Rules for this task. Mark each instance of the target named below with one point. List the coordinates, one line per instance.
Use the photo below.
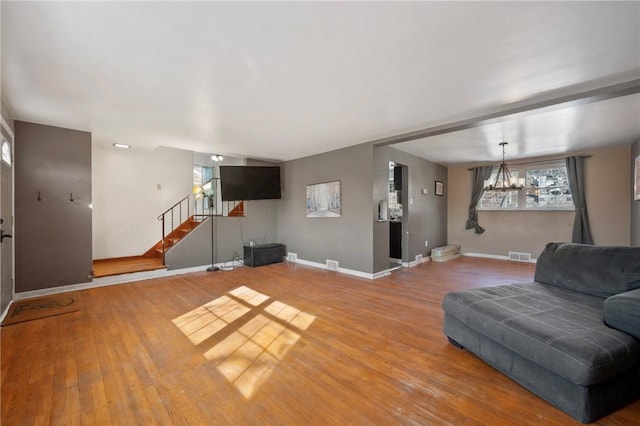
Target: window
(6, 152)
(547, 188)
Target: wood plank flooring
(278, 344)
(125, 265)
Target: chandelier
(504, 181)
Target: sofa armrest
(622, 312)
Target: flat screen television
(249, 183)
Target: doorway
(398, 214)
(6, 217)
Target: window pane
(495, 200)
(548, 188)
(6, 152)
(550, 197)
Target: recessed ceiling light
(122, 145)
(217, 157)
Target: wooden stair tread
(125, 265)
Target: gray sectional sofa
(571, 337)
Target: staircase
(177, 222)
(162, 246)
(185, 215)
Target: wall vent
(519, 257)
(418, 259)
(332, 265)
(292, 257)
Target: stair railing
(211, 204)
(183, 209)
(199, 206)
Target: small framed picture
(439, 188)
(636, 181)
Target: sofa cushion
(595, 270)
(622, 312)
(558, 329)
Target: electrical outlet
(426, 243)
(292, 257)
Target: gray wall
(347, 239)
(635, 205)
(193, 250)
(259, 225)
(427, 213)
(52, 236)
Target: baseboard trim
(341, 270)
(416, 262)
(112, 280)
(6, 311)
(160, 273)
(493, 256)
(381, 274)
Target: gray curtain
(480, 174)
(575, 172)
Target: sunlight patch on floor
(206, 320)
(248, 355)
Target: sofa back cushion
(595, 270)
(622, 312)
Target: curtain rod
(549, 160)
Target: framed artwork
(323, 199)
(636, 181)
(439, 188)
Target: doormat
(42, 307)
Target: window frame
(521, 171)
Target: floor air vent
(519, 257)
(332, 265)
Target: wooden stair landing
(125, 265)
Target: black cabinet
(263, 254)
(395, 240)
(397, 178)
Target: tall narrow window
(6, 152)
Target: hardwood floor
(278, 344)
(125, 265)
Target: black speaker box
(263, 254)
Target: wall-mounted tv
(249, 183)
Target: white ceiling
(284, 80)
(537, 133)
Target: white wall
(126, 199)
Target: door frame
(5, 126)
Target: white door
(6, 220)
